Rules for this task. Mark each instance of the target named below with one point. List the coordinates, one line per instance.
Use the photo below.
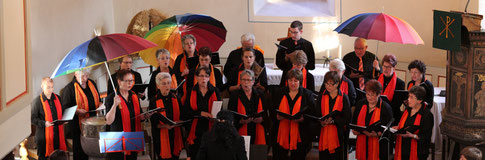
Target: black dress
(251, 106)
(37, 118)
(234, 60)
(138, 80)
(307, 103)
(155, 119)
(202, 106)
(425, 131)
(117, 125)
(386, 116)
(301, 44)
(68, 95)
(396, 101)
(341, 121)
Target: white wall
(57, 26)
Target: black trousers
(339, 154)
(194, 149)
(279, 153)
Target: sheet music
(216, 107)
(247, 144)
(101, 107)
(68, 113)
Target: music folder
(355, 70)
(331, 114)
(139, 88)
(373, 127)
(253, 115)
(168, 121)
(67, 115)
(411, 128)
(288, 116)
(215, 58)
(149, 111)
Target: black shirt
(352, 60)
(396, 101)
(425, 131)
(302, 44)
(202, 106)
(117, 124)
(235, 59)
(37, 118)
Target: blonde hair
(45, 80)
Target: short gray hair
(299, 58)
(187, 36)
(337, 64)
(83, 71)
(247, 72)
(247, 37)
(161, 76)
(162, 52)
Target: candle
(340, 51)
(328, 53)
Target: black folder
(331, 114)
(254, 115)
(288, 116)
(149, 111)
(355, 70)
(373, 127)
(215, 58)
(139, 88)
(412, 129)
(168, 121)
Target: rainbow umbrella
(207, 31)
(380, 26)
(98, 50)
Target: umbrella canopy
(98, 50)
(206, 30)
(380, 26)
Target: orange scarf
(304, 72)
(414, 143)
(193, 105)
(362, 144)
(344, 86)
(329, 134)
(82, 99)
(49, 131)
(165, 151)
(389, 91)
(288, 131)
(243, 131)
(412, 84)
(125, 114)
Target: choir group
(359, 96)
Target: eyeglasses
(246, 80)
(127, 62)
(204, 76)
(330, 84)
(296, 32)
(128, 81)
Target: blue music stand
(110, 142)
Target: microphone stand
(385, 138)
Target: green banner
(446, 30)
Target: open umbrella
(380, 26)
(98, 50)
(207, 31)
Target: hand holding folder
(373, 127)
(323, 118)
(243, 116)
(289, 116)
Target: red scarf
(389, 91)
(373, 143)
(243, 131)
(414, 143)
(125, 114)
(49, 131)
(165, 151)
(193, 106)
(288, 131)
(82, 99)
(329, 134)
(344, 86)
(304, 72)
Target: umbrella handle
(109, 75)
